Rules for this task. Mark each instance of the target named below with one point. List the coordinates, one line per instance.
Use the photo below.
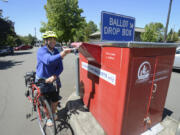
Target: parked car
(5, 50)
(177, 59)
(23, 47)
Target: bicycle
(40, 104)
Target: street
(173, 100)
(14, 105)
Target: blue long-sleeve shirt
(48, 63)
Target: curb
(81, 120)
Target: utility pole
(35, 36)
(167, 23)
(35, 31)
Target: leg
(54, 106)
(55, 99)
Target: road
(173, 97)
(14, 105)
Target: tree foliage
(179, 32)
(85, 31)
(90, 28)
(153, 32)
(27, 39)
(7, 33)
(64, 17)
(172, 36)
(81, 34)
(44, 27)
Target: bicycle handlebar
(74, 50)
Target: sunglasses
(51, 38)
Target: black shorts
(50, 92)
(53, 96)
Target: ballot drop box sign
(116, 27)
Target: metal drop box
(125, 84)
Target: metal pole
(35, 36)
(77, 75)
(167, 23)
(178, 128)
(35, 31)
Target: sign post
(116, 27)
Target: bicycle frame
(35, 100)
(41, 104)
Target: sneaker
(49, 123)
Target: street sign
(116, 27)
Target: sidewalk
(83, 123)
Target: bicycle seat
(41, 81)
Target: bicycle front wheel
(44, 113)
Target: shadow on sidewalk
(176, 70)
(72, 107)
(22, 53)
(9, 64)
(166, 112)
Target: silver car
(177, 59)
(5, 50)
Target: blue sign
(116, 27)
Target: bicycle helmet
(44, 36)
(50, 34)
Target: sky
(28, 14)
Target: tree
(1, 13)
(64, 17)
(18, 41)
(85, 31)
(10, 40)
(179, 32)
(7, 33)
(153, 32)
(81, 34)
(44, 27)
(31, 39)
(172, 36)
(28, 39)
(90, 28)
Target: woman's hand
(65, 52)
(51, 79)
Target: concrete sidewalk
(83, 123)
